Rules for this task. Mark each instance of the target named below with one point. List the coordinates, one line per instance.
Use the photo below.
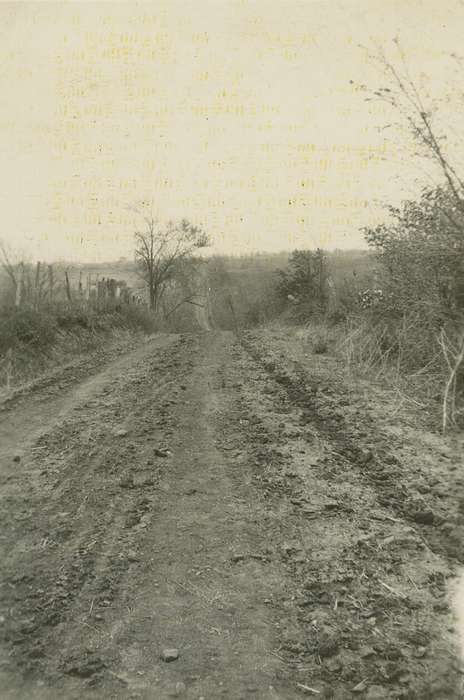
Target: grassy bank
(403, 358)
(393, 314)
(35, 341)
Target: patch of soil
(207, 516)
(370, 553)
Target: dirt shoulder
(33, 408)
(62, 369)
(384, 501)
(194, 495)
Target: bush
(304, 283)
(26, 327)
(37, 330)
(136, 318)
(75, 318)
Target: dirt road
(203, 493)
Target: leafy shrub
(73, 318)
(136, 318)
(304, 283)
(37, 330)
(26, 327)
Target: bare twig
(392, 590)
(308, 689)
(454, 356)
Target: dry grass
(32, 342)
(420, 368)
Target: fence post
(19, 285)
(50, 282)
(68, 286)
(37, 286)
(232, 308)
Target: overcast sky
(239, 115)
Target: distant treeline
(253, 285)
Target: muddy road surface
(202, 518)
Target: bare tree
(161, 249)
(14, 271)
(8, 266)
(403, 94)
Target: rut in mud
(197, 495)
